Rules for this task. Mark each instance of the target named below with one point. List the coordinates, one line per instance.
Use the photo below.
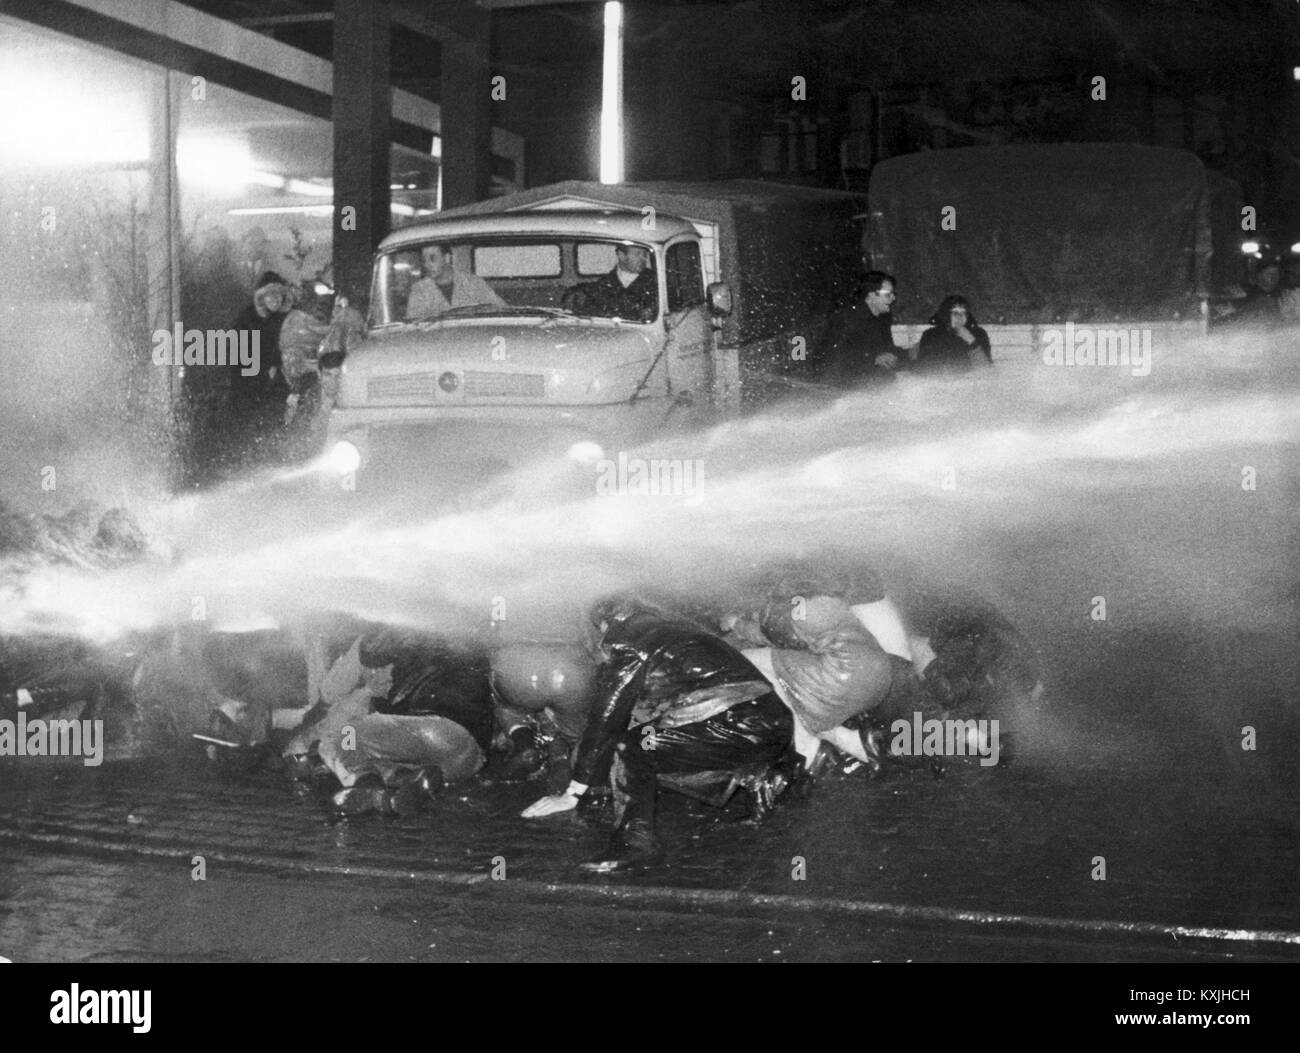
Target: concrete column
(362, 112)
(150, 271)
(466, 101)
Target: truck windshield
(467, 278)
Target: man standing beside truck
(256, 399)
(858, 346)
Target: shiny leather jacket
(664, 673)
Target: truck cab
(495, 340)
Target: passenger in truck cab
(444, 287)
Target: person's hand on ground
(555, 803)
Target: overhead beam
(284, 20)
(438, 21)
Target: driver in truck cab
(444, 287)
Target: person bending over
(399, 714)
(679, 709)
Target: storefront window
(84, 275)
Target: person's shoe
(413, 793)
(595, 805)
(764, 795)
(873, 743)
(632, 848)
(823, 761)
(368, 794)
(322, 780)
(298, 767)
(763, 790)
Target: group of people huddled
(275, 413)
(858, 344)
(715, 701)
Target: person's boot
(298, 767)
(410, 794)
(368, 794)
(323, 779)
(596, 805)
(873, 745)
(631, 848)
(764, 791)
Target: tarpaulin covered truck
(1038, 235)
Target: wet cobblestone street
(99, 864)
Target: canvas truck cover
(1045, 233)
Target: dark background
(708, 84)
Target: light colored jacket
(428, 301)
(842, 672)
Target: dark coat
(637, 301)
(852, 345)
(663, 673)
(432, 678)
(266, 389)
(942, 351)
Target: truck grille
(423, 387)
(505, 385)
(402, 386)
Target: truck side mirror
(719, 298)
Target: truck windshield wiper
(492, 310)
(480, 310)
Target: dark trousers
(707, 759)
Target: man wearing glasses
(859, 343)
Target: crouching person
(543, 696)
(399, 715)
(678, 709)
(827, 669)
(858, 679)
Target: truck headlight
(343, 458)
(586, 452)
